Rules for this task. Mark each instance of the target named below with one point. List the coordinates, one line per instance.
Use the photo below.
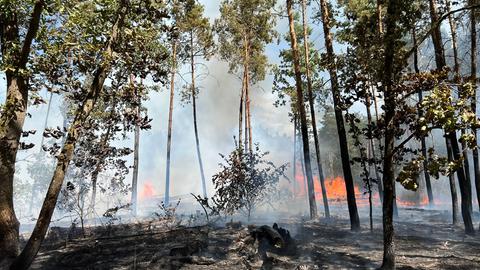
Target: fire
(337, 194)
(336, 191)
(335, 187)
(147, 191)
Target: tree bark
(453, 187)
(136, 150)
(194, 109)
(379, 18)
(390, 111)
(13, 118)
(465, 184)
(436, 36)
(473, 78)
(368, 103)
(311, 102)
(342, 135)
(294, 156)
(426, 175)
(170, 120)
(248, 123)
(240, 110)
(457, 79)
(423, 143)
(301, 108)
(24, 260)
(465, 187)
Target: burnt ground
(424, 240)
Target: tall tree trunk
(13, 117)
(370, 201)
(457, 79)
(240, 110)
(194, 109)
(368, 103)
(170, 120)
(473, 78)
(248, 123)
(294, 156)
(379, 18)
(465, 187)
(453, 187)
(342, 135)
(390, 111)
(136, 149)
(465, 184)
(24, 260)
(451, 177)
(437, 36)
(423, 143)
(311, 102)
(303, 116)
(302, 163)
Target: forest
(239, 134)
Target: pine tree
(244, 28)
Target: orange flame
(336, 192)
(147, 191)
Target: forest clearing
(239, 134)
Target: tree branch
(31, 33)
(434, 26)
(402, 144)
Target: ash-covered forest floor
(425, 239)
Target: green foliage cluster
(244, 182)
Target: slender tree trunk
(437, 37)
(194, 109)
(379, 18)
(377, 118)
(302, 163)
(312, 110)
(246, 120)
(453, 31)
(451, 177)
(303, 117)
(347, 170)
(248, 117)
(170, 120)
(368, 103)
(13, 117)
(240, 110)
(473, 78)
(465, 187)
(465, 184)
(294, 156)
(369, 187)
(248, 123)
(136, 149)
(423, 143)
(24, 260)
(390, 111)
(453, 188)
